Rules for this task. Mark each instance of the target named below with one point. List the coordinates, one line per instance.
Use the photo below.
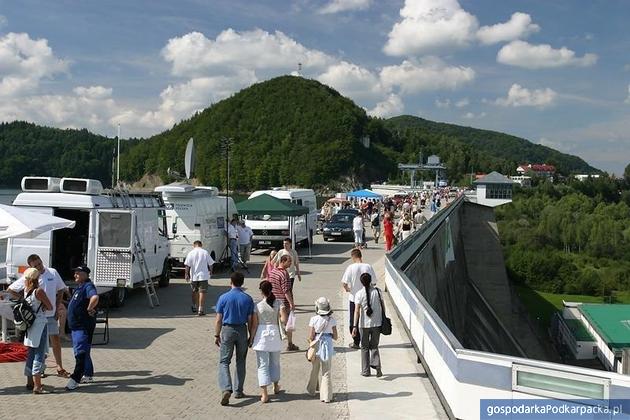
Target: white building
(523, 180)
(493, 190)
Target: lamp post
(226, 144)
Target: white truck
(103, 238)
(195, 214)
(270, 231)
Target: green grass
(542, 305)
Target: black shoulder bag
(386, 325)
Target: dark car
(349, 210)
(339, 227)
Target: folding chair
(102, 317)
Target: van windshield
(267, 218)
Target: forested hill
(480, 146)
(30, 149)
(287, 130)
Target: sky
(554, 72)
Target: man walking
(245, 234)
(294, 268)
(375, 221)
(232, 234)
(198, 266)
(235, 319)
(82, 321)
(281, 289)
(351, 282)
(50, 281)
(357, 227)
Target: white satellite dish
(189, 160)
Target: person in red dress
(388, 232)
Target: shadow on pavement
(134, 338)
(394, 376)
(367, 396)
(132, 384)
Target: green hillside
(285, 131)
(30, 149)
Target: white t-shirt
(244, 235)
(352, 275)
(376, 319)
(198, 260)
(318, 321)
(292, 270)
(357, 223)
(50, 281)
(232, 232)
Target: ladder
(119, 194)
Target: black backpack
(23, 313)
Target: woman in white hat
(322, 331)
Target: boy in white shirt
(352, 284)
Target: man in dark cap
(82, 321)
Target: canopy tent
(364, 194)
(267, 204)
(16, 222)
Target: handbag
(311, 349)
(386, 325)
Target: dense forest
(284, 131)
(571, 238)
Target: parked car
(351, 211)
(339, 227)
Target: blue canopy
(364, 194)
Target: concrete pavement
(161, 363)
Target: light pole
(226, 144)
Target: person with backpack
(36, 339)
(368, 315)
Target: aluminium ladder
(137, 248)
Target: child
(323, 329)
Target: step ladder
(121, 198)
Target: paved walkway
(161, 363)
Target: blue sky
(555, 72)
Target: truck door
(114, 245)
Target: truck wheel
(165, 277)
(118, 296)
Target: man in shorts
(198, 265)
(50, 281)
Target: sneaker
(87, 380)
(292, 347)
(193, 308)
(379, 372)
(72, 385)
(239, 395)
(354, 346)
(225, 397)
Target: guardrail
(463, 377)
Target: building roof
(537, 167)
(494, 178)
(578, 329)
(611, 321)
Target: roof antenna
(299, 69)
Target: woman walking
(269, 265)
(388, 231)
(323, 329)
(405, 226)
(267, 341)
(36, 338)
(368, 314)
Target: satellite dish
(189, 160)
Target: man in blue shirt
(82, 321)
(235, 316)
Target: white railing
(464, 377)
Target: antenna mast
(118, 157)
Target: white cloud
(462, 103)
(519, 26)
(194, 55)
(429, 74)
(24, 62)
(429, 25)
(336, 6)
(523, 54)
(182, 100)
(353, 81)
(93, 92)
(390, 107)
(445, 104)
(627, 101)
(473, 116)
(520, 96)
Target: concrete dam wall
(457, 265)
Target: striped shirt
(280, 285)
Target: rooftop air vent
(40, 184)
(81, 186)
